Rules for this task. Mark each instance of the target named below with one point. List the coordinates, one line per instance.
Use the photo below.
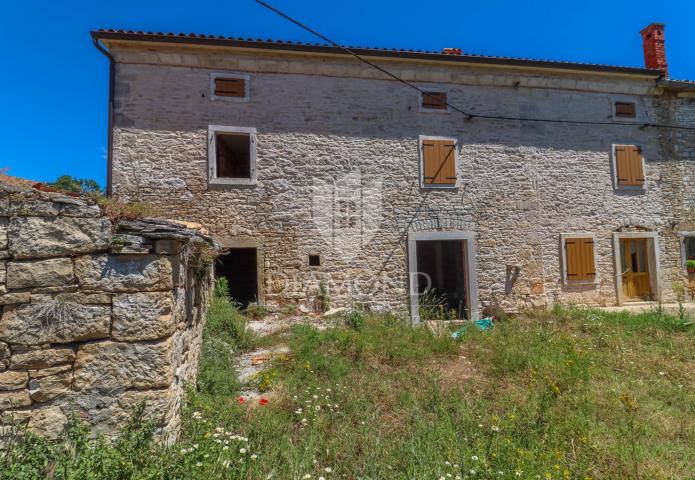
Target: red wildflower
(263, 401)
(242, 400)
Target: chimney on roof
(654, 49)
(451, 51)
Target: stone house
(559, 182)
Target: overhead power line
(468, 115)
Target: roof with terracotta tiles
(453, 55)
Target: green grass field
(562, 394)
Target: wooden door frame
(654, 263)
(469, 265)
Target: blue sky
(53, 83)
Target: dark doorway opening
(239, 267)
(441, 266)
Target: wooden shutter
(625, 109)
(439, 162)
(579, 259)
(434, 100)
(628, 165)
(230, 87)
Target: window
(628, 166)
(625, 110)
(433, 101)
(438, 162)
(687, 246)
(579, 259)
(314, 261)
(230, 87)
(232, 155)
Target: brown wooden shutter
(430, 158)
(439, 162)
(230, 87)
(579, 259)
(434, 100)
(628, 165)
(625, 109)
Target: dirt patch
(457, 373)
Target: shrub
(133, 453)
(323, 299)
(117, 210)
(355, 318)
(432, 306)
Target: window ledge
(631, 188)
(580, 283)
(439, 187)
(434, 110)
(233, 182)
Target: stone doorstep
(639, 307)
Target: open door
(441, 267)
(445, 263)
(634, 262)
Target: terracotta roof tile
(193, 38)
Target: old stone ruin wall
(96, 318)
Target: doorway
(240, 267)
(634, 266)
(441, 270)
(444, 263)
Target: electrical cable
(468, 115)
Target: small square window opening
(625, 110)
(434, 101)
(233, 152)
(231, 155)
(230, 87)
(314, 260)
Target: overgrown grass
(562, 394)
(224, 337)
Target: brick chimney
(654, 49)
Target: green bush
(355, 318)
(225, 334)
(132, 454)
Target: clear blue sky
(53, 82)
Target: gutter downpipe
(112, 72)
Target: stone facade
(329, 121)
(95, 322)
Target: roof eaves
(678, 85)
(270, 44)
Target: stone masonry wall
(332, 121)
(95, 319)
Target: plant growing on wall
(56, 312)
(323, 299)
